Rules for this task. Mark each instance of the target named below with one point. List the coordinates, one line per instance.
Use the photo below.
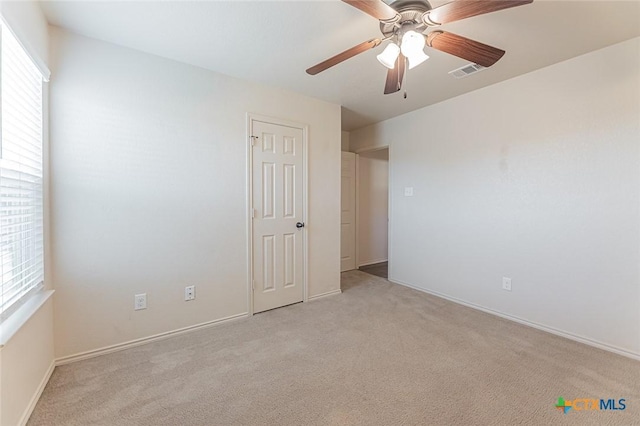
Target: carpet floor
(378, 354)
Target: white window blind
(21, 186)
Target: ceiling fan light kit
(412, 48)
(417, 58)
(389, 55)
(412, 42)
(407, 21)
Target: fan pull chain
(406, 76)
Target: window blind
(21, 177)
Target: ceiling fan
(404, 22)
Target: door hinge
(253, 213)
(253, 140)
(253, 285)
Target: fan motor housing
(410, 11)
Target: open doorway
(372, 210)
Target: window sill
(11, 325)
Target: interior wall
(30, 26)
(26, 358)
(373, 206)
(345, 141)
(536, 178)
(149, 181)
(26, 364)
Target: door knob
(300, 225)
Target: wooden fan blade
(340, 57)
(395, 76)
(462, 9)
(464, 48)
(375, 8)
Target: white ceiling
(273, 42)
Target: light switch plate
(408, 191)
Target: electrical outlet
(189, 292)
(140, 301)
(506, 283)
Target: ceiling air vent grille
(466, 70)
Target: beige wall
(149, 179)
(373, 206)
(536, 178)
(30, 25)
(345, 141)
(26, 362)
(26, 359)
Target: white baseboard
(144, 340)
(372, 262)
(36, 396)
(561, 333)
(320, 296)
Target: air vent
(466, 70)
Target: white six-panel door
(348, 213)
(277, 200)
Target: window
(21, 177)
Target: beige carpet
(379, 354)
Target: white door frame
(389, 209)
(356, 158)
(251, 118)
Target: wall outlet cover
(140, 301)
(506, 283)
(189, 292)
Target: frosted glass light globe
(389, 55)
